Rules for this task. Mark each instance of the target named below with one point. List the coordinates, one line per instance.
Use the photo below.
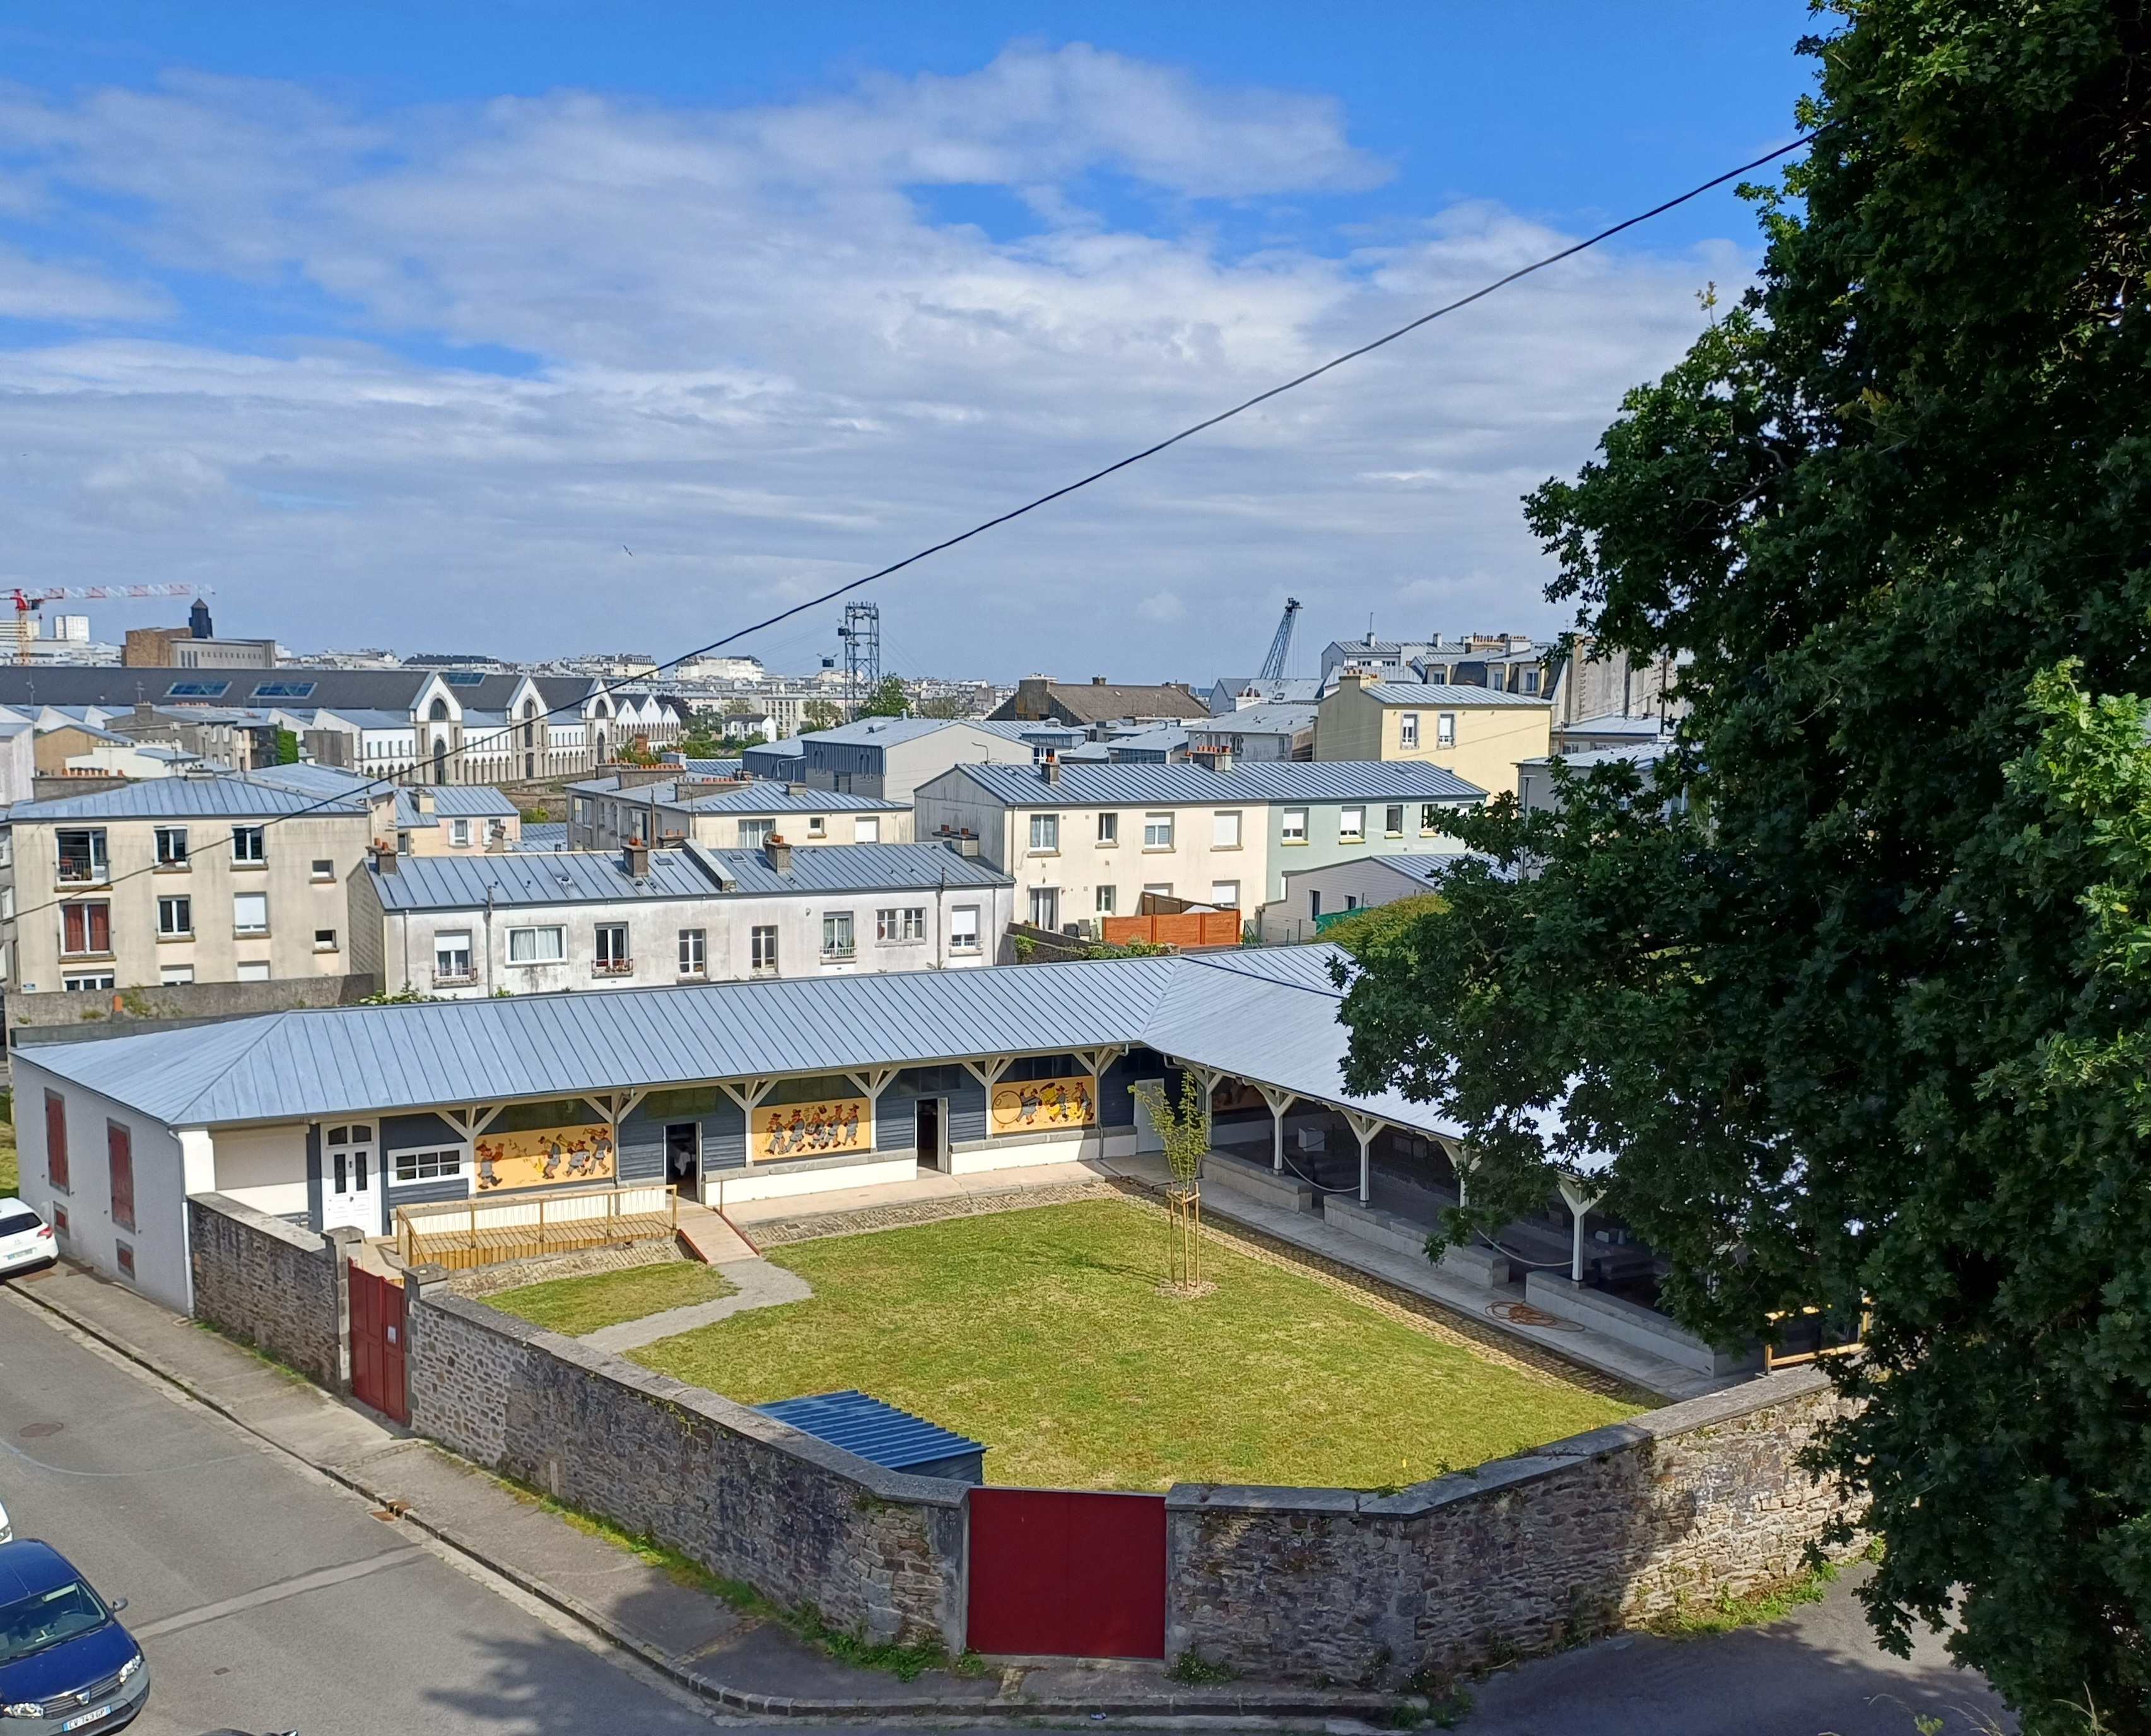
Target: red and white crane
(28, 602)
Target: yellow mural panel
(543, 1155)
(813, 1129)
(1026, 1105)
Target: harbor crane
(28, 602)
(1280, 646)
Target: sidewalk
(744, 1662)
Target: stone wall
(1601, 1531)
(750, 1499)
(58, 1014)
(268, 1283)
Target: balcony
(613, 967)
(455, 979)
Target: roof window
(197, 690)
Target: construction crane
(1280, 646)
(28, 602)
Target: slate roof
(758, 797)
(454, 802)
(383, 690)
(1446, 693)
(1269, 1015)
(1083, 785)
(234, 795)
(1107, 701)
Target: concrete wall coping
(306, 1242)
(1711, 1410)
(1617, 1307)
(727, 1414)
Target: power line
(507, 734)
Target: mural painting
(812, 1129)
(539, 1155)
(1023, 1105)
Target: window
(1225, 831)
(122, 1255)
(428, 1166)
(1225, 894)
(119, 1154)
(1445, 729)
(324, 869)
(537, 946)
(1046, 832)
(1105, 900)
(253, 971)
(1157, 832)
(1531, 680)
(284, 689)
(171, 846)
(452, 956)
(1393, 820)
(1292, 826)
(249, 844)
(901, 924)
(613, 958)
(753, 834)
(56, 1143)
(1314, 903)
(838, 941)
(88, 980)
(174, 976)
(1351, 825)
(6, 903)
(1045, 907)
(1429, 816)
(325, 940)
(1407, 729)
(1158, 888)
(817, 826)
(963, 928)
(176, 917)
(82, 856)
(694, 952)
(867, 831)
(459, 834)
(764, 943)
(85, 928)
(250, 912)
(197, 690)
(1109, 828)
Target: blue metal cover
(876, 1432)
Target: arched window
(439, 714)
(440, 757)
(530, 727)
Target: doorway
(683, 1157)
(348, 1199)
(932, 1133)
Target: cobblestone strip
(779, 1230)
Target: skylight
(284, 689)
(197, 690)
(463, 677)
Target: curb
(1301, 1704)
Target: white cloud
(760, 362)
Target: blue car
(65, 1662)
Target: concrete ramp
(712, 1240)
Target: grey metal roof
(454, 802)
(230, 795)
(758, 797)
(877, 1431)
(712, 768)
(1283, 718)
(1083, 785)
(1269, 1015)
(1446, 693)
(589, 877)
(541, 835)
(386, 689)
(1419, 872)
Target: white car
(7, 1531)
(26, 1239)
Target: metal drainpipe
(489, 890)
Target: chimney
(634, 858)
(384, 856)
(1048, 768)
(1097, 680)
(962, 844)
(779, 854)
(422, 799)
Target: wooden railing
(480, 1231)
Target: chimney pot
(779, 854)
(384, 858)
(1048, 768)
(635, 858)
(1097, 680)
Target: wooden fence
(462, 1234)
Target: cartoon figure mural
(812, 1129)
(537, 1156)
(1023, 1105)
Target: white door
(349, 1189)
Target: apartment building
(1040, 699)
(185, 879)
(891, 756)
(1479, 733)
(657, 806)
(527, 924)
(1084, 841)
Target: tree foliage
(1858, 986)
(888, 699)
(820, 714)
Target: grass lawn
(10, 1182)
(1045, 1333)
(578, 1305)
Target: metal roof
(229, 795)
(454, 802)
(541, 835)
(388, 690)
(875, 1431)
(1085, 785)
(758, 797)
(587, 877)
(1280, 718)
(1269, 1015)
(1447, 693)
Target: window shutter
(119, 1146)
(56, 1146)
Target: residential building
(657, 806)
(1588, 734)
(19, 762)
(1087, 841)
(891, 756)
(1235, 693)
(1282, 731)
(1536, 790)
(1597, 684)
(1479, 733)
(177, 648)
(533, 923)
(732, 1091)
(222, 878)
(1040, 699)
(1508, 662)
(458, 820)
(1317, 898)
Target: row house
(655, 806)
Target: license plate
(86, 1717)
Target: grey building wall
(284, 1290)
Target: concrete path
(757, 1284)
(928, 1185)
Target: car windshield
(16, 1224)
(47, 1619)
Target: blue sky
(400, 324)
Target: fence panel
(1059, 1572)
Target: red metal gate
(376, 1343)
(1058, 1572)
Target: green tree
(1856, 986)
(888, 699)
(820, 714)
(288, 747)
(944, 705)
